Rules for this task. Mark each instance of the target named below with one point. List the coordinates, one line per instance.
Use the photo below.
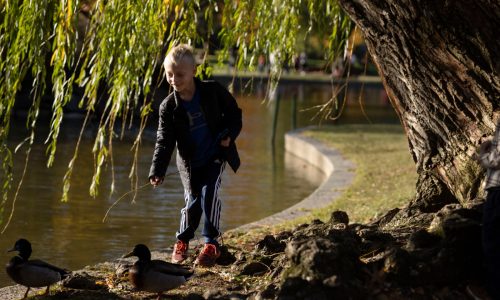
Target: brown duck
(155, 276)
(32, 273)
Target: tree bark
(440, 63)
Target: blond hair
(179, 53)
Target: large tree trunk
(440, 66)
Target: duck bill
(11, 250)
(130, 254)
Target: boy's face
(180, 76)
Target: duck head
(23, 247)
(141, 251)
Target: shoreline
(339, 173)
(291, 77)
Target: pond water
(72, 235)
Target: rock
(445, 268)
(339, 217)
(254, 268)
(268, 293)
(422, 239)
(320, 258)
(270, 245)
(407, 218)
(374, 236)
(456, 262)
(301, 227)
(386, 218)
(296, 288)
(457, 225)
(193, 296)
(284, 235)
(83, 281)
(316, 222)
(397, 264)
(226, 258)
(458, 229)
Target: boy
(203, 119)
(489, 158)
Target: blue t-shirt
(200, 134)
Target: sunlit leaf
(116, 56)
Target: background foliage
(114, 49)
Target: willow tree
(438, 60)
(113, 50)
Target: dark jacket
(222, 115)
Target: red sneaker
(208, 256)
(180, 252)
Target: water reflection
(72, 234)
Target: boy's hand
(225, 142)
(155, 181)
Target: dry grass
(384, 178)
(385, 174)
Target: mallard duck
(32, 273)
(155, 276)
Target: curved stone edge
(339, 176)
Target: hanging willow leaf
(119, 50)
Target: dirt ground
(429, 256)
(109, 281)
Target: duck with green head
(155, 276)
(32, 273)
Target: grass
(385, 174)
(385, 178)
(295, 76)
